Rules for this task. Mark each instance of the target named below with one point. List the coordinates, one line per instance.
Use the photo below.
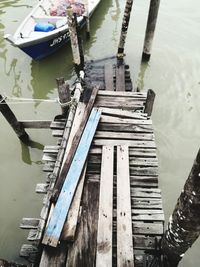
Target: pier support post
(64, 95)
(184, 225)
(150, 29)
(12, 120)
(149, 102)
(124, 29)
(87, 19)
(75, 41)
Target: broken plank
(57, 219)
(124, 228)
(104, 236)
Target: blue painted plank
(62, 206)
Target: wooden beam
(36, 124)
(56, 223)
(125, 256)
(104, 236)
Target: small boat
(45, 29)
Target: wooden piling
(64, 95)
(124, 29)
(12, 120)
(150, 101)
(87, 19)
(184, 225)
(75, 41)
(150, 29)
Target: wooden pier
(115, 216)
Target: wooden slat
(120, 78)
(37, 124)
(124, 135)
(113, 119)
(124, 113)
(124, 227)
(116, 142)
(142, 95)
(148, 228)
(126, 127)
(29, 223)
(104, 236)
(108, 72)
(60, 212)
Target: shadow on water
(26, 157)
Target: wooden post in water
(149, 102)
(75, 42)
(12, 120)
(87, 19)
(64, 95)
(150, 29)
(124, 29)
(184, 225)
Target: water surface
(173, 73)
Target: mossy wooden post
(12, 120)
(184, 224)
(75, 45)
(124, 29)
(150, 29)
(64, 95)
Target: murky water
(173, 73)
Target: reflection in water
(115, 17)
(141, 76)
(26, 158)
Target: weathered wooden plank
(126, 127)
(29, 223)
(115, 142)
(75, 136)
(28, 251)
(108, 73)
(49, 157)
(148, 228)
(82, 251)
(124, 113)
(57, 133)
(120, 78)
(51, 149)
(58, 125)
(123, 103)
(104, 236)
(146, 192)
(48, 167)
(69, 229)
(145, 242)
(146, 203)
(54, 257)
(42, 188)
(60, 212)
(124, 135)
(114, 119)
(142, 95)
(36, 124)
(124, 227)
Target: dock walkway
(116, 216)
